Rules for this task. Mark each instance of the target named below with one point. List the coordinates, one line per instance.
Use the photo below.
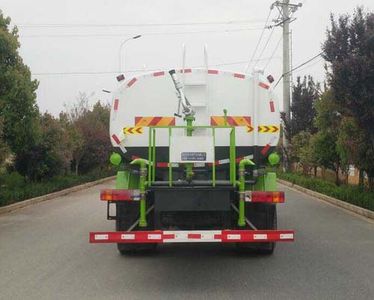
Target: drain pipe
(142, 185)
(243, 163)
(189, 166)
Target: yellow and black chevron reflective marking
(268, 128)
(133, 130)
(249, 128)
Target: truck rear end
(195, 147)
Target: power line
(86, 73)
(144, 34)
(311, 65)
(238, 62)
(273, 53)
(304, 63)
(64, 25)
(129, 71)
(258, 43)
(266, 43)
(299, 66)
(268, 40)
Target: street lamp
(121, 47)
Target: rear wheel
(262, 216)
(127, 214)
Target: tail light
(265, 197)
(119, 195)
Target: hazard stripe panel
(193, 236)
(231, 120)
(154, 121)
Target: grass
(26, 190)
(351, 194)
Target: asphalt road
(45, 254)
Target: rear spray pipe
(186, 106)
(188, 112)
(142, 185)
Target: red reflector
(268, 197)
(194, 236)
(162, 164)
(115, 107)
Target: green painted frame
(152, 151)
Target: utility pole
(286, 10)
(286, 62)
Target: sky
(73, 46)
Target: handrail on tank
(152, 151)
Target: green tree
(325, 140)
(351, 146)
(349, 50)
(4, 150)
(75, 115)
(71, 140)
(44, 158)
(90, 134)
(54, 141)
(18, 109)
(304, 95)
(303, 151)
(94, 126)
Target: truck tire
(262, 216)
(127, 214)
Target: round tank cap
(274, 158)
(115, 159)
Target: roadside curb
(11, 207)
(353, 208)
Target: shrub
(21, 190)
(12, 181)
(351, 194)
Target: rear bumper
(193, 236)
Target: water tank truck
(195, 152)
